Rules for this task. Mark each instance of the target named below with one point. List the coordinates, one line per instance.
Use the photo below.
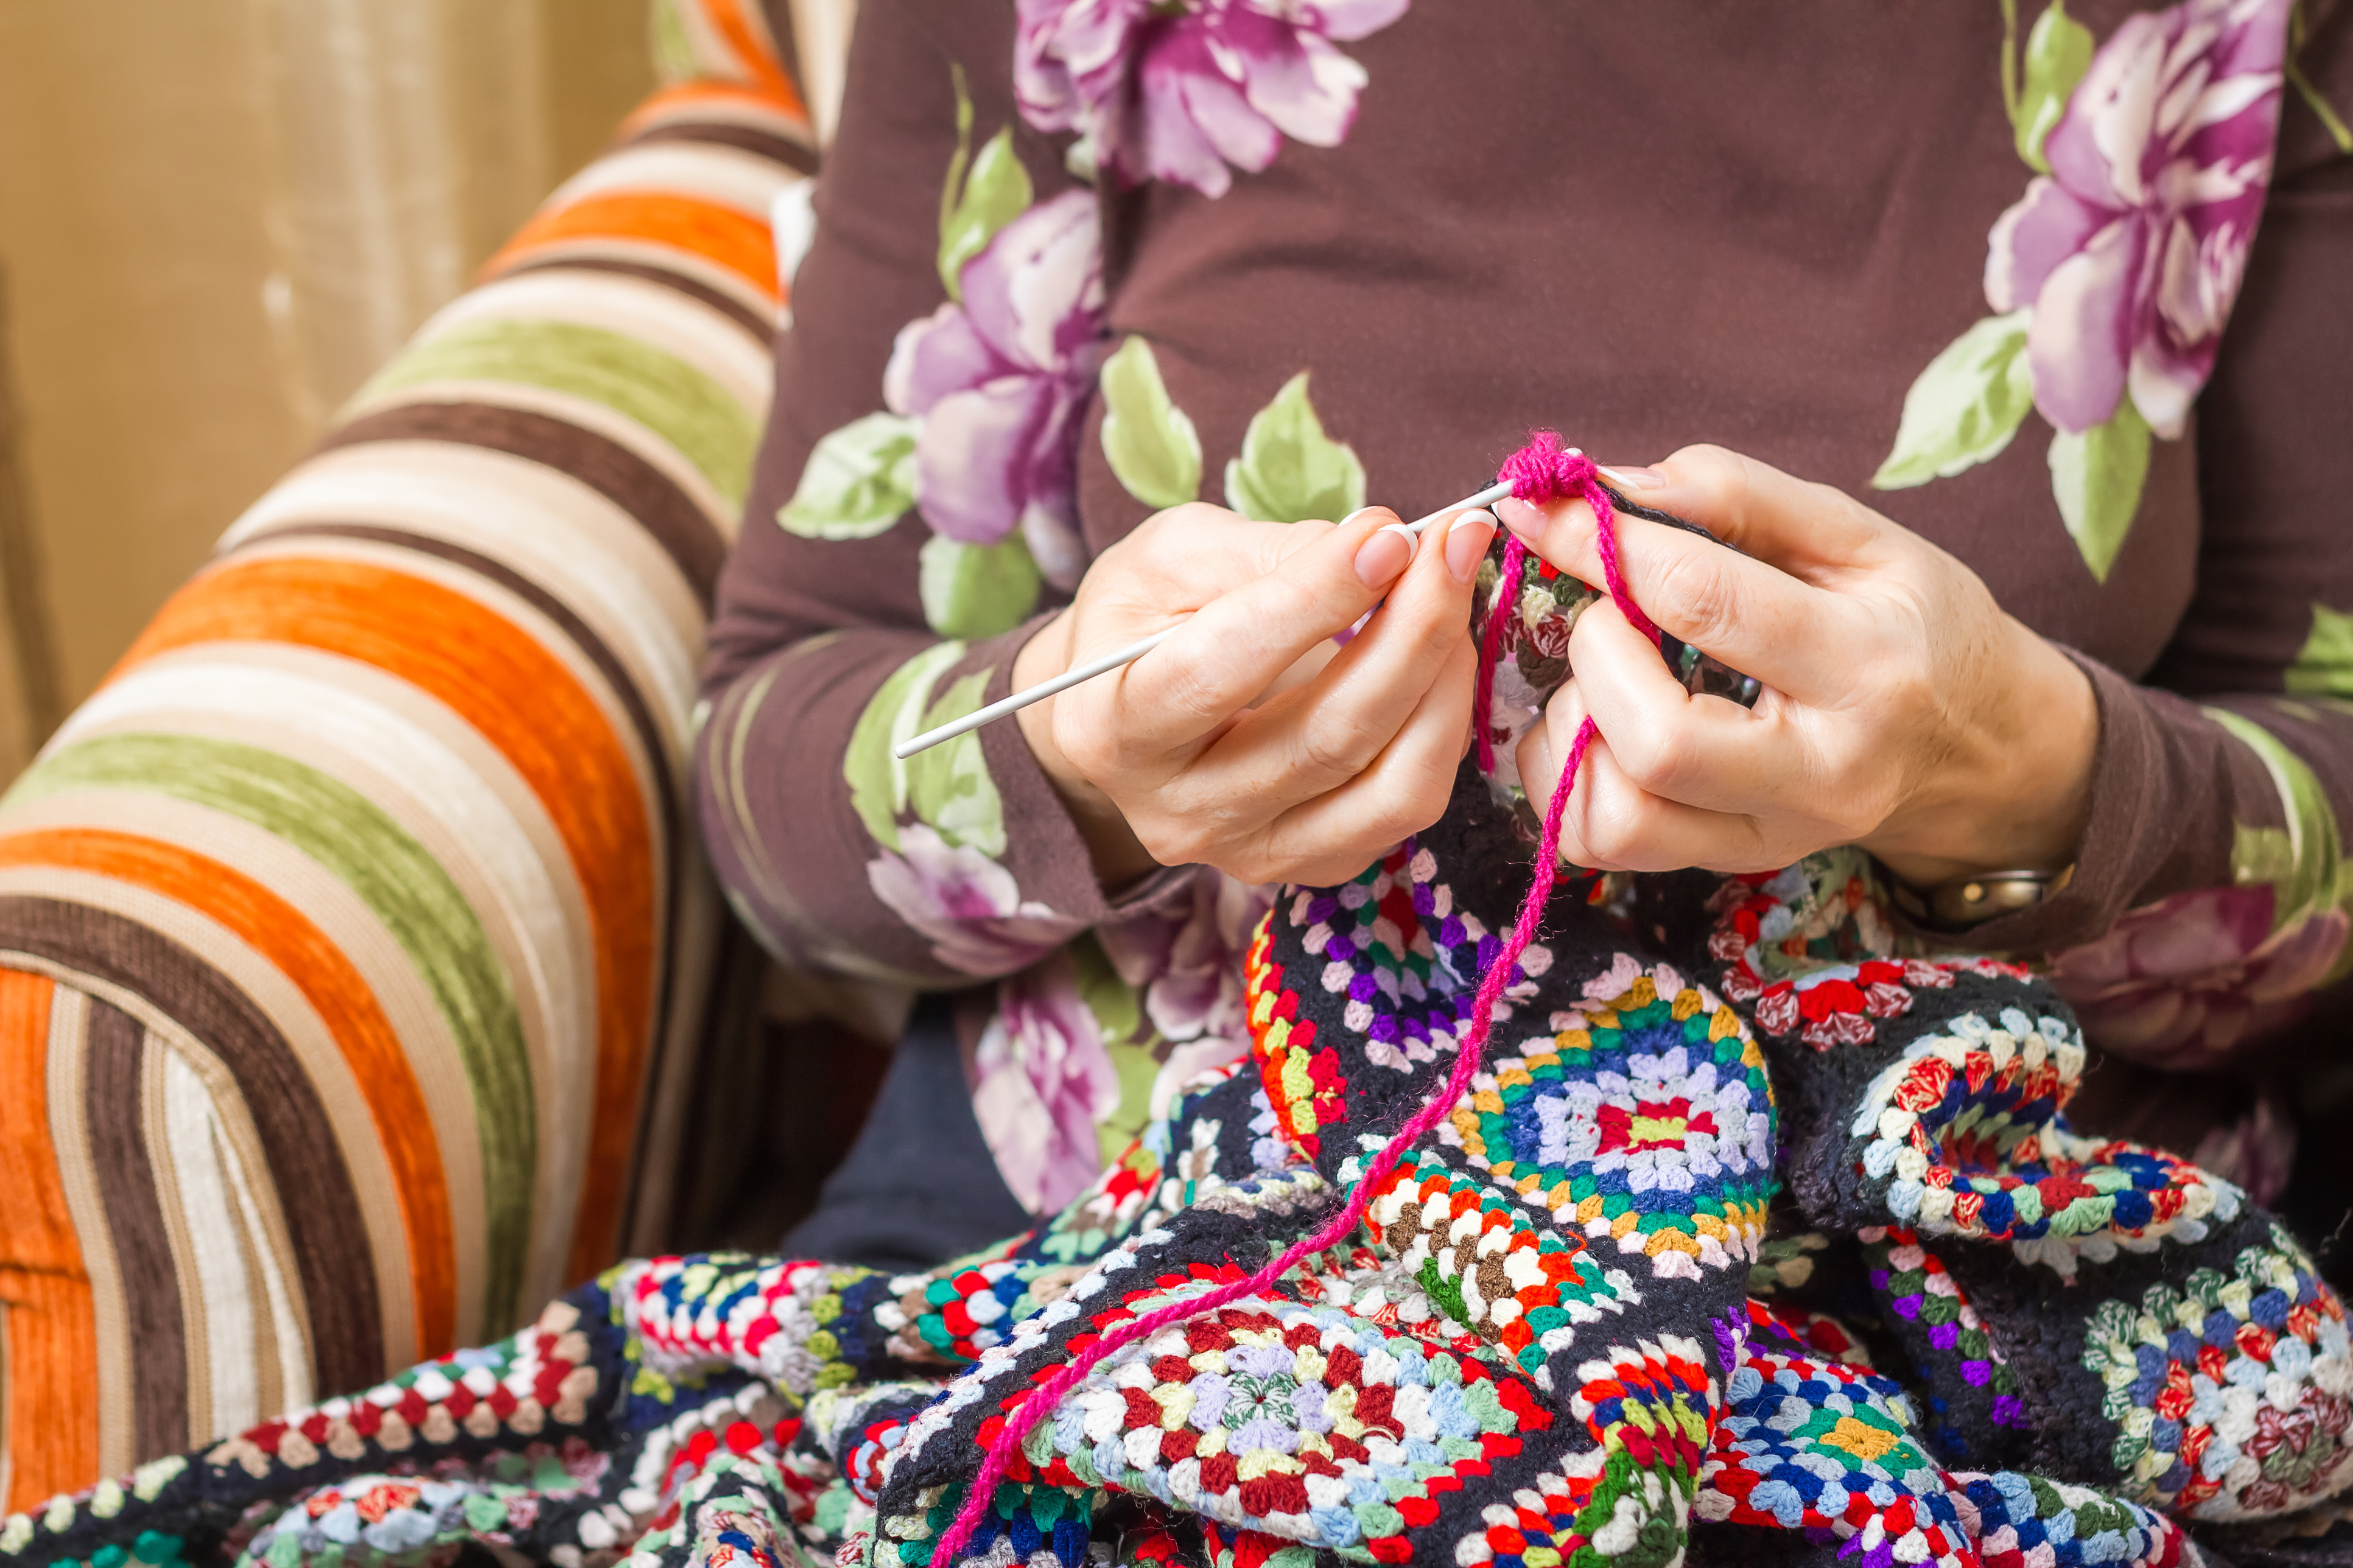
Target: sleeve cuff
(2123, 846)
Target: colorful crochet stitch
(1663, 1279)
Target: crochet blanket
(1751, 1241)
(1756, 1238)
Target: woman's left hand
(1903, 710)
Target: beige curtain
(216, 218)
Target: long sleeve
(2210, 908)
(960, 864)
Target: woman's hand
(1244, 741)
(1903, 712)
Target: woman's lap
(920, 1186)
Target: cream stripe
(553, 531)
(691, 264)
(730, 112)
(678, 324)
(213, 1271)
(196, 1330)
(295, 1019)
(539, 935)
(268, 1243)
(589, 414)
(383, 966)
(68, 1091)
(527, 619)
(283, 1355)
(712, 170)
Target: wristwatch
(1960, 902)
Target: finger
(1329, 731)
(1612, 824)
(1797, 525)
(1239, 642)
(1336, 835)
(1700, 751)
(1178, 560)
(1754, 617)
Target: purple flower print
(2181, 982)
(997, 383)
(1179, 92)
(966, 903)
(1045, 1081)
(1184, 955)
(2131, 250)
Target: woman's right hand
(1245, 741)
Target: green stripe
(659, 391)
(408, 890)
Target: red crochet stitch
(1540, 471)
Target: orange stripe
(758, 58)
(52, 1387)
(691, 95)
(526, 703)
(299, 950)
(742, 244)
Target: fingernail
(1384, 555)
(1519, 516)
(1466, 542)
(1633, 478)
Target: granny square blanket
(1754, 1240)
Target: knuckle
(1189, 693)
(1657, 759)
(1331, 742)
(1702, 593)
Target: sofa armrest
(345, 929)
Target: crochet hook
(1130, 654)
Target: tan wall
(217, 217)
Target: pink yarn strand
(1540, 471)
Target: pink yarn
(1540, 471)
(1543, 470)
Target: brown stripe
(794, 156)
(314, 1186)
(619, 475)
(761, 326)
(113, 1047)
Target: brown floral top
(1075, 260)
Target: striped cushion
(354, 938)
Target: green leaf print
(949, 785)
(878, 781)
(998, 192)
(2096, 477)
(1289, 471)
(977, 589)
(1965, 407)
(2324, 666)
(859, 481)
(2058, 52)
(2304, 862)
(1149, 442)
(2298, 25)
(1118, 1010)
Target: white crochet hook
(1131, 653)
